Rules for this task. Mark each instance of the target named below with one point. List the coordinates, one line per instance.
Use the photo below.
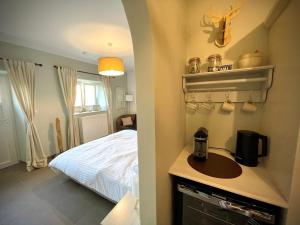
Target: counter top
(126, 212)
(254, 182)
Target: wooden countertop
(254, 182)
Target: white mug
(191, 106)
(249, 107)
(228, 106)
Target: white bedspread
(106, 165)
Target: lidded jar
(214, 62)
(194, 65)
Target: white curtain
(68, 81)
(108, 95)
(22, 79)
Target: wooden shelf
(233, 72)
(243, 82)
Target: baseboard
(5, 165)
(9, 164)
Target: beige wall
(131, 89)
(115, 83)
(160, 33)
(222, 126)
(139, 23)
(282, 111)
(247, 31)
(248, 35)
(293, 216)
(49, 100)
(168, 24)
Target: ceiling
(78, 29)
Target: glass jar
(214, 62)
(194, 65)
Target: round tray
(216, 166)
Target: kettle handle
(264, 140)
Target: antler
(234, 9)
(223, 23)
(214, 18)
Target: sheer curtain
(108, 95)
(68, 81)
(22, 79)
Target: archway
(139, 23)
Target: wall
(118, 82)
(293, 216)
(248, 35)
(131, 89)
(281, 113)
(156, 28)
(168, 24)
(139, 23)
(247, 31)
(49, 100)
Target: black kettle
(247, 147)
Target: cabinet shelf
(242, 84)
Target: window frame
(89, 108)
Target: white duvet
(107, 165)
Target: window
(78, 101)
(90, 96)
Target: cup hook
(209, 101)
(250, 97)
(227, 95)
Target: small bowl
(250, 62)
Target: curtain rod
(80, 71)
(37, 64)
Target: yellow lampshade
(110, 66)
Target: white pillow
(127, 121)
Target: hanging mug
(249, 106)
(228, 106)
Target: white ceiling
(79, 29)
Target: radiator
(92, 127)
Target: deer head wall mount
(223, 23)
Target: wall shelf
(239, 84)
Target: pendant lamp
(110, 66)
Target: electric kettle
(247, 147)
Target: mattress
(107, 165)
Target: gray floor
(42, 197)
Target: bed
(108, 165)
